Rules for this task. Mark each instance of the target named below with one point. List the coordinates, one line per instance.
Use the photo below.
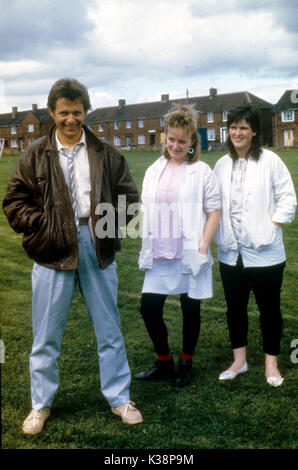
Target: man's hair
(70, 89)
(184, 117)
(252, 117)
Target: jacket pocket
(51, 239)
(264, 233)
(36, 240)
(195, 263)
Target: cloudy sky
(139, 49)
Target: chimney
(34, 108)
(213, 92)
(14, 111)
(122, 103)
(164, 98)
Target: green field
(242, 414)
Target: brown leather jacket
(37, 201)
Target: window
(117, 140)
(116, 125)
(30, 127)
(141, 139)
(162, 121)
(141, 123)
(211, 134)
(128, 124)
(100, 127)
(210, 117)
(225, 116)
(287, 116)
(13, 143)
(13, 130)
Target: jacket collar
(91, 139)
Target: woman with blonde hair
(180, 213)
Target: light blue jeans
(53, 292)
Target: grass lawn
(242, 414)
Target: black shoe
(160, 370)
(184, 373)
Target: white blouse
(266, 256)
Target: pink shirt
(167, 242)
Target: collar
(81, 141)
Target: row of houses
(137, 126)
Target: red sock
(186, 357)
(162, 357)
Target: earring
(190, 154)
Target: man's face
(69, 117)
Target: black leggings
(265, 282)
(152, 313)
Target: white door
(223, 134)
(288, 138)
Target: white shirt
(268, 195)
(167, 241)
(237, 195)
(198, 195)
(81, 174)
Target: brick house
(285, 120)
(142, 125)
(20, 128)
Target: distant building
(141, 126)
(285, 120)
(20, 128)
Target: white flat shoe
(275, 381)
(230, 375)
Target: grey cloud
(285, 12)
(287, 15)
(29, 29)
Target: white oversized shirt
(268, 195)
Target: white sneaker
(128, 413)
(230, 375)
(35, 420)
(275, 381)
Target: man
(53, 198)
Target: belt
(83, 220)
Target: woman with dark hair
(257, 198)
(180, 206)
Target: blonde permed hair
(186, 118)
